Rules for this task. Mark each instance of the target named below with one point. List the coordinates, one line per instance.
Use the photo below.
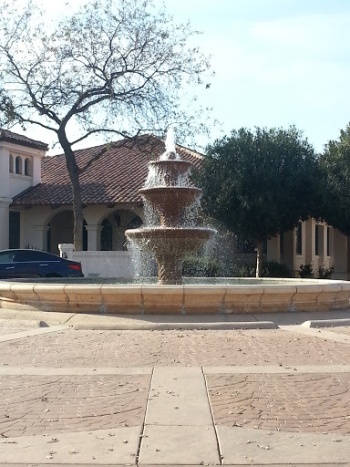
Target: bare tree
(115, 66)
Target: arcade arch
(61, 231)
(113, 227)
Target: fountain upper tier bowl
(161, 173)
(170, 203)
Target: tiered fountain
(171, 234)
(169, 202)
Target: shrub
(305, 271)
(195, 266)
(275, 269)
(325, 273)
(242, 270)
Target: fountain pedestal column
(169, 269)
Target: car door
(46, 264)
(34, 263)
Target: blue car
(35, 263)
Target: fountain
(169, 235)
(169, 198)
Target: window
(14, 229)
(135, 223)
(11, 164)
(18, 165)
(106, 236)
(328, 241)
(25, 256)
(299, 239)
(27, 167)
(317, 238)
(6, 257)
(281, 243)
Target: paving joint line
(277, 369)
(33, 332)
(316, 332)
(221, 457)
(11, 370)
(143, 426)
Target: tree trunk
(259, 258)
(73, 171)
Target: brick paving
(193, 348)
(32, 405)
(60, 395)
(316, 403)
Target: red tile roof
(11, 137)
(114, 177)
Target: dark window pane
(14, 229)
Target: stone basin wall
(283, 296)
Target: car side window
(27, 256)
(6, 257)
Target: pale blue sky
(277, 62)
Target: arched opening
(11, 163)
(27, 167)
(106, 236)
(18, 165)
(61, 231)
(113, 229)
(135, 223)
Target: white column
(93, 236)
(4, 222)
(340, 256)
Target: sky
(276, 62)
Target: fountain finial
(170, 150)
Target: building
(36, 204)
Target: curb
(326, 323)
(175, 326)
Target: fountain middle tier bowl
(160, 195)
(170, 240)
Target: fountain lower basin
(169, 246)
(246, 295)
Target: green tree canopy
(335, 166)
(114, 67)
(260, 183)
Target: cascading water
(170, 202)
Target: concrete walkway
(154, 391)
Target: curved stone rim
(297, 296)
